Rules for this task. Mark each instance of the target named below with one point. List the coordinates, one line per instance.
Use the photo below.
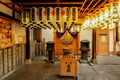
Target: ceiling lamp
(92, 22)
(114, 12)
(73, 14)
(34, 15)
(25, 18)
(57, 18)
(86, 23)
(106, 13)
(65, 17)
(42, 17)
(101, 18)
(50, 17)
(105, 17)
(105, 26)
(112, 25)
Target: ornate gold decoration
(66, 38)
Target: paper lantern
(115, 14)
(50, 17)
(57, 16)
(42, 14)
(34, 15)
(50, 14)
(73, 14)
(65, 17)
(25, 17)
(64, 14)
(106, 13)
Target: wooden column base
(28, 61)
(94, 61)
(83, 61)
(50, 61)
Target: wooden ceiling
(85, 7)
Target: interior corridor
(59, 39)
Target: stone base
(94, 61)
(50, 61)
(83, 61)
(28, 61)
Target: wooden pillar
(40, 34)
(55, 47)
(94, 46)
(114, 40)
(13, 11)
(78, 43)
(27, 43)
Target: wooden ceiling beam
(93, 6)
(87, 9)
(88, 6)
(10, 7)
(83, 5)
(45, 3)
(81, 9)
(99, 6)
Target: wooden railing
(11, 58)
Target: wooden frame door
(102, 42)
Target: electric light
(112, 26)
(107, 16)
(105, 26)
(114, 13)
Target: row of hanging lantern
(106, 17)
(54, 18)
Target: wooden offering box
(68, 65)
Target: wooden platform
(40, 70)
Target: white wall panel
(47, 34)
(111, 44)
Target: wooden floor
(40, 70)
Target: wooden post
(115, 38)
(40, 35)
(78, 52)
(94, 46)
(28, 53)
(27, 44)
